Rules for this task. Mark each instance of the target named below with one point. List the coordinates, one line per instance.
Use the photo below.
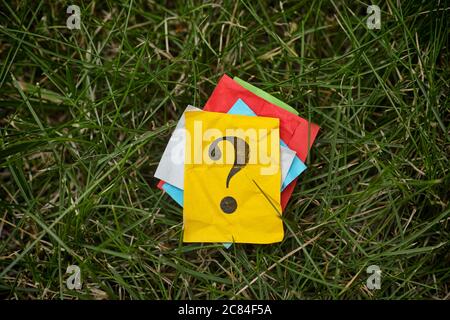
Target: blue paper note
(241, 108)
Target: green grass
(85, 116)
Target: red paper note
(298, 133)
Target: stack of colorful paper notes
(233, 165)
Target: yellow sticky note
(232, 179)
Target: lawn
(85, 116)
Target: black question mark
(241, 156)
